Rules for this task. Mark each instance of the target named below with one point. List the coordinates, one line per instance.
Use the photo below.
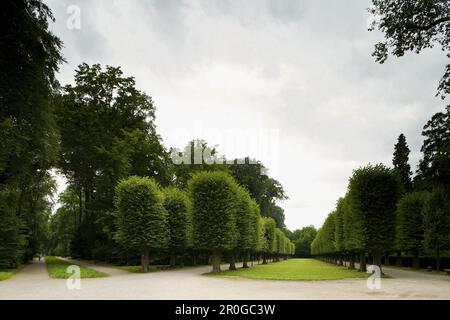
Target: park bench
(447, 271)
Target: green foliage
(373, 192)
(400, 162)
(30, 56)
(324, 243)
(11, 241)
(269, 235)
(412, 25)
(434, 168)
(57, 269)
(364, 221)
(213, 197)
(141, 218)
(409, 224)
(265, 190)
(178, 207)
(339, 225)
(279, 241)
(196, 156)
(64, 223)
(302, 238)
(247, 220)
(107, 134)
(436, 220)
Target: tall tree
(178, 207)
(324, 243)
(412, 25)
(339, 229)
(214, 199)
(107, 134)
(409, 224)
(265, 190)
(400, 162)
(142, 222)
(195, 157)
(269, 247)
(29, 56)
(247, 219)
(436, 220)
(373, 192)
(434, 167)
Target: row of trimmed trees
(215, 216)
(373, 219)
(385, 211)
(363, 221)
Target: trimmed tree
(244, 228)
(339, 231)
(436, 220)
(251, 243)
(11, 241)
(409, 224)
(177, 204)
(141, 219)
(213, 197)
(324, 243)
(372, 197)
(269, 238)
(279, 243)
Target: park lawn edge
(243, 273)
(138, 268)
(57, 267)
(6, 274)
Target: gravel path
(188, 283)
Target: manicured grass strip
(5, 274)
(295, 269)
(57, 269)
(136, 269)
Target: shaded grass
(5, 274)
(295, 269)
(57, 269)
(136, 269)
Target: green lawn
(57, 269)
(5, 274)
(295, 269)
(136, 269)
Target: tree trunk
(351, 264)
(362, 262)
(194, 258)
(438, 260)
(232, 261)
(399, 259)
(386, 259)
(416, 261)
(244, 264)
(145, 259)
(215, 261)
(264, 259)
(173, 259)
(377, 259)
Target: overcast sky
(290, 82)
